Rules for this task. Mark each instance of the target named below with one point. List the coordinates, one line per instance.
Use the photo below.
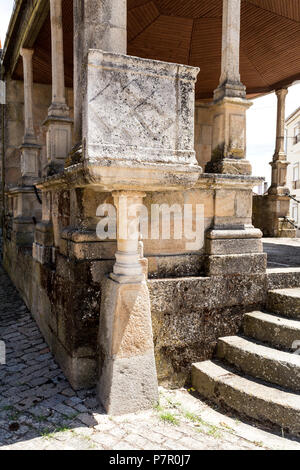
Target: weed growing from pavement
(168, 417)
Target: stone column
(271, 212)
(230, 104)
(97, 25)
(279, 163)
(230, 80)
(43, 249)
(58, 106)
(29, 134)
(58, 122)
(29, 148)
(127, 267)
(125, 331)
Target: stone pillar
(271, 211)
(29, 148)
(43, 249)
(58, 122)
(230, 80)
(230, 104)
(125, 331)
(58, 106)
(97, 25)
(127, 267)
(279, 163)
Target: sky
(261, 129)
(261, 117)
(6, 7)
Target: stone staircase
(257, 373)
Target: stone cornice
(145, 177)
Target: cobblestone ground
(39, 410)
(282, 252)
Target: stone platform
(39, 409)
(257, 372)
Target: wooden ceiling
(42, 49)
(189, 32)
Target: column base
(278, 191)
(285, 228)
(43, 249)
(229, 137)
(127, 269)
(23, 231)
(59, 142)
(271, 215)
(234, 252)
(26, 212)
(127, 371)
(58, 110)
(279, 172)
(230, 90)
(29, 163)
(123, 279)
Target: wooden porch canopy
(189, 32)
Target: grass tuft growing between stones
(168, 417)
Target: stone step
(248, 397)
(262, 362)
(276, 331)
(284, 302)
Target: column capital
(56, 2)
(282, 92)
(26, 53)
(131, 195)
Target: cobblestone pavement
(39, 410)
(282, 252)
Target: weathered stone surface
(270, 215)
(271, 329)
(285, 302)
(43, 412)
(283, 278)
(141, 98)
(235, 249)
(260, 361)
(44, 233)
(217, 265)
(234, 234)
(160, 267)
(234, 246)
(248, 397)
(85, 245)
(126, 351)
(101, 26)
(58, 139)
(190, 314)
(229, 137)
(203, 132)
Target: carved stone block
(139, 110)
